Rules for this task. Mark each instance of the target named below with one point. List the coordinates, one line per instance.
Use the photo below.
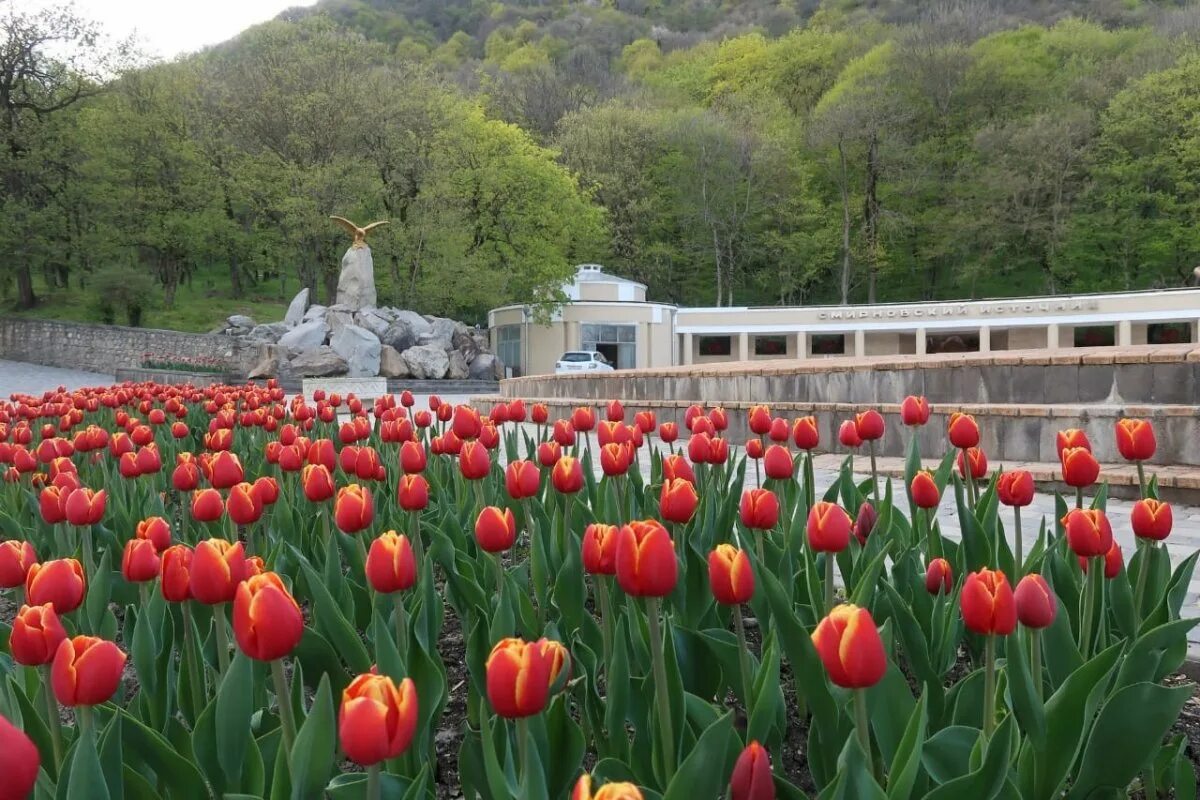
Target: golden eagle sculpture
(359, 234)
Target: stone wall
(107, 348)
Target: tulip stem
(874, 473)
(1079, 497)
(523, 745)
(401, 625)
(88, 554)
(219, 623)
(414, 528)
(1020, 544)
(863, 726)
(828, 582)
(52, 719)
(83, 717)
(287, 720)
(198, 680)
(743, 659)
(1141, 478)
(1092, 603)
(606, 620)
(1147, 551)
(1035, 660)
(661, 690)
(989, 688)
(499, 566)
(759, 535)
(374, 787)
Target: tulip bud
(924, 490)
(86, 671)
(645, 559)
(466, 423)
(777, 463)
(266, 489)
(267, 622)
(600, 549)
(848, 435)
(19, 761)
(678, 500)
(864, 522)
(1088, 532)
(391, 566)
(828, 527)
(962, 431)
(869, 425)
(1079, 467)
(413, 492)
(353, 509)
(377, 719)
(939, 577)
(36, 635)
(176, 571)
(495, 529)
(759, 509)
(730, 575)
(850, 647)
(16, 558)
(1015, 488)
(1135, 439)
(567, 475)
(226, 470)
(805, 433)
(914, 410)
(987, 603)
(516, 411)
(139, 563)
(752, 779)
(519, 676)
(217, 569)
(60, 582)
(615, 412)
(1150, 519)
(1036, 603)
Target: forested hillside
(750, 152)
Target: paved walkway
(17, 377)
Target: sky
(167, 28)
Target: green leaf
(1026, 704)
(313, 750)
(86, 778)
(987, 781)
(1126, 736)
(708, 763)
(330, 618)
(906, 763)
(180, 776)
(235, 706)
(947, 754)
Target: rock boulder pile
(338, 340)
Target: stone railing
(107, 348)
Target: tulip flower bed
(228, 592)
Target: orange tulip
(86, 671)
(377, 719)
(730, 575)
(645, 559)
(520, 675)
(987, 603)
(36, 635)
(217, 569)
(850, 647)
(267, 622)
(609, 791)
(60, 582)
(391, 566)
(353, 509)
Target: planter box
(173, 376)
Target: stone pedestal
(362, 388)
(356, 283)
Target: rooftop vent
(591, 268)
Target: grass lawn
(200, 306)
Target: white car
(581, 361)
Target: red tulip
(52, 504)
(678, 500)
(495, 529)
(520, 674)
(939, 577)
(1113, 561)
(848, 435)
(759, 509)
(86, 671)
(267, 490)
(412, 457)
(987, 603)
(759, 419)
(719, 419)
(645, 559)
(207, 505)
(353, 508)
(1088, 532)
(466, 423)
(1036, 603)
(216, 570)
(157, 530)
(16, 558)
(567, 475)
(521, 479)
(615, 459)
(391, 566)
(19, 762)
(977, 459)
(244, 506)
(615, 412)
(925, 491)
(139, 563)
(378, 719)
(752, 779)
(1015, 488)
(677, 466)
(548, 453)
(516, 410)
(668, 432)
(186, 477)
(777, 462)
(60, 582)
(176, 571)
(583, 419)
(754, 449)
(805, 433)
(864, 522)
(36, 635)
(1150, 519)
(267, 622)
(1135, 439)
(645, 421)
(317, 482)
(828, 527)
(730, 575)
(600, 549)
(869, 425)
(1079, 467)
(226, 470)
(413, 492)
(962, 431)
(914, 410)
(1072, 437)
(850, 647)
(700, 448)
(85, 507)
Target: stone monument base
(362, 388)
